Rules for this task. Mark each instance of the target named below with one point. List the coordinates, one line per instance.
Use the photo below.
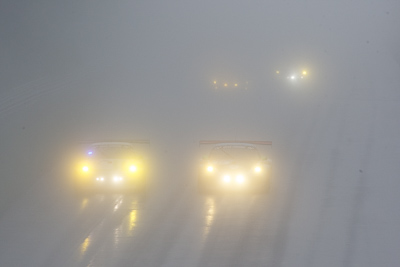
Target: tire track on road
(309, 145)
(329, 183)
(360, 194)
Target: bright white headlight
(133, 168)
(257, 169)
(117, 178)
(210, 168)
(226, 178)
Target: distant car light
(210, 168)
(85, 168)
(90, 153)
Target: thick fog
(82, 71)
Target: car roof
(97, 144)
(235, 145)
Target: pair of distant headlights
(210, 168)
(132, 168)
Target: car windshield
(235, 153)
(114, 151)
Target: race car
(293, 76)
(230, 84)
(234, 165)
(112, 166)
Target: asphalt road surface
(333, 201)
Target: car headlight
(85, 168)
(133, 168)
(226, 178)
(257, 169)
(117, 178)
(210, 168)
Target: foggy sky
(89, 70)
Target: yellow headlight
(85, 168)
(210, 168)
(257, 169)
(133, 168)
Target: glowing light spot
(133, 168)
(85, 244)
(227, 179)
(240, 178)
(132, 221)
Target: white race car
(234, 165)
(112, 166)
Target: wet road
(332, 200)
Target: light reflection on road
(84, 203)
(118, 203)
(84, 246)
(132, 221)
(114, 230)
(209, 216)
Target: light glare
(227, 178)
(133, 168)
(240, 178)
